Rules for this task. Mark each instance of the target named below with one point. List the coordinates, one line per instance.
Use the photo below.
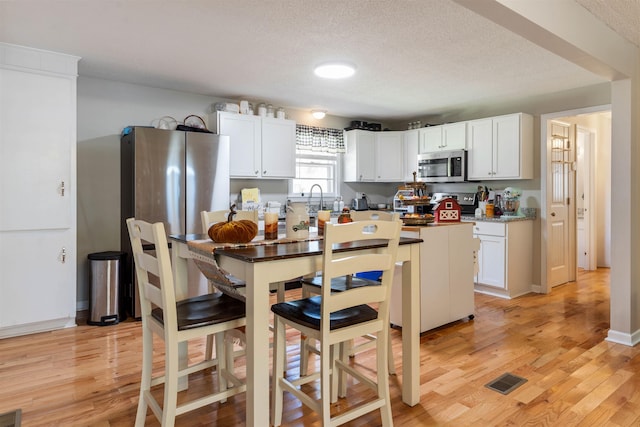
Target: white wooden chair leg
(279, 355)
(208, 351)
(390, 359)
(170, 385)
(221, 354)
(383, 378)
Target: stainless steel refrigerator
(170, 176)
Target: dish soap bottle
(345, 216)
(341, 205)
(336, 206)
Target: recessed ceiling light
(318, 114)
(335, 70)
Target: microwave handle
(450, 167)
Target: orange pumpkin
(241, 231)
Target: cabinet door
(491, 261)
(245, 140)
(389, 156)
(37, 134)
(278, 148)
(411, 149)
(359, 159)
(480, 146)
(37, 283)
(506, 146)
(454, 136)
(430, 139)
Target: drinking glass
(270, 225)
(323, 216)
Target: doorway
(590, 129)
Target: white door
(558, 198)
(585, 212)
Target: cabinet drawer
(489, 228)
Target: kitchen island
(447, 257)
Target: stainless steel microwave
(443, 166)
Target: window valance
(319, 139)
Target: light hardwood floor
(89, 375)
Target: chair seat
(307, 313)
(205, 310)
(341, 284)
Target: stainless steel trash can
(106, 270)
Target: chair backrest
(374, 215)
(211, 217)
(153, 266)
(342, 264)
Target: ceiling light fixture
(318, 114)
(335, 70)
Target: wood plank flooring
(89, 376)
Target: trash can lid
(105, 256)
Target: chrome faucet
(321, 197)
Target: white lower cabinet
(37, 286)
(446, 275)
(37, 189)
(505, 257)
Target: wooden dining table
(264, 263)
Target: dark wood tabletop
(288, 250)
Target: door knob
(553, 214)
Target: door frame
(544, 209)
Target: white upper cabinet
(411, 149)
(260, 147)
(500, 147)
(278, 148)
(452, 136)
(389, 156)
(359, 158)
(373, 156)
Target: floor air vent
(11, 419)
(506, 383)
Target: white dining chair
(313, 285)
(335, 318)
(175, 322)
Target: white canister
(280, 113)
(262, 110)
(297, 221)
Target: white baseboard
(32, 328)
(623, 338)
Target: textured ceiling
(414, 58)
(623, 16)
